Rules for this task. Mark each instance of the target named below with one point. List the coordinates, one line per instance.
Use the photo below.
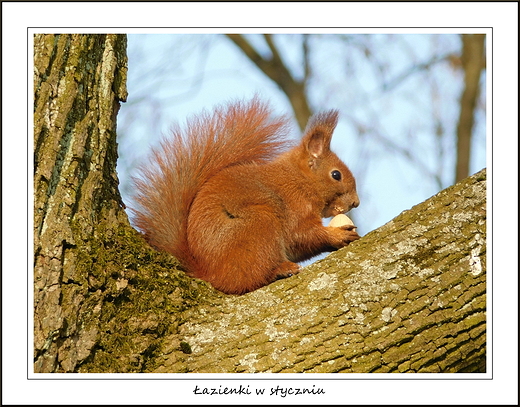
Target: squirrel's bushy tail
(165, 188)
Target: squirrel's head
(332, 179)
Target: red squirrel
(237, 203)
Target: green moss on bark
(136, 298)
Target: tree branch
(396, 81)
(408, 297)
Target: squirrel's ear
(316, 143)
(318, 133)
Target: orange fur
(237, 204)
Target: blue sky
(211, 72)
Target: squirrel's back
(238, 133)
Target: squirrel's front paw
(350, 233)
(343, 235)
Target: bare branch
(403, 76)
(277, 71)
(306, 59)
(473, 60)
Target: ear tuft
(324, 120)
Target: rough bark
(78, 83)
(407, 297)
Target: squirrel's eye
(336, 175)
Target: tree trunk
(78, 83)
(473, 62)
(407, 297)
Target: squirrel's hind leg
(237, 251)
(287, 269)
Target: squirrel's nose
(355, 202)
